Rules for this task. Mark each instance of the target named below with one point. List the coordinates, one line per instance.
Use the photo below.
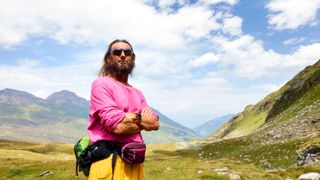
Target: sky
(195, 59)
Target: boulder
(311, 155)
(310, 176)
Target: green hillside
(63, 117)
(296, 100)
(240, 157)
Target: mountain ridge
(63, 117)
(210, 126)
(66, 97)
(12, 96)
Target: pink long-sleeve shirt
(109, 102)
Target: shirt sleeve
(103, 107)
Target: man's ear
(108, 58)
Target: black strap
(77, 159)
(114, 159)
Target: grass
(251, 121)
(303, 102)
(241, 156)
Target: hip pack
(133, 153)
(88, 154)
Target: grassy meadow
(194, 160)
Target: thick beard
(116, 69)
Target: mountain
(11, 96)
(170, 131)
(63, 117)
(208, 127)
(67, 98)
(69, 103)
(291, 112)
(24, 116)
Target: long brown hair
(105, 70)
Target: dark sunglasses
(118, 52)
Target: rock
(234, 176)
(45, 173)
(311, 155)
(310, 176)
(221, 169)
(265, 164)
(314, 121)
(231, 176)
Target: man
(118, 111)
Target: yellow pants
(122, 171)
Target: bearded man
(118, 111)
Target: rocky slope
(291, 112)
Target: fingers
(130, 117)
(147, 111)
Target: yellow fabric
(122, 171)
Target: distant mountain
(291, 112)
(63, 117)
(208, 127)
(11, 96)
(170, 131)
(69, 103)
(66, 97)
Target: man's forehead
(121, 45)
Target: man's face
(121, 60)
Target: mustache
(116, 69)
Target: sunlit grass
(21, 160)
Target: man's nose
(122, 54)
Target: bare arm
(149, 121)
(127, 126)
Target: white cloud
(249, 59)
(28, 62)
(166, 3)
(291, 14)
(213, 2)
(42, 80)
(204, 60)
(88, 22)
(293, 41)
(232, 25)
(303, 56)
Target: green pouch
(79, 148)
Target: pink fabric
(109, 102)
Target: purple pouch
(133, 153)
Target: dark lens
(127, 52)
(117, 52)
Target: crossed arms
(130, 125)
(113, 118)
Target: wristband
(139, 119)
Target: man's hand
(149, 121)
(127, 126)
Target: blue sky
(196, 59)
